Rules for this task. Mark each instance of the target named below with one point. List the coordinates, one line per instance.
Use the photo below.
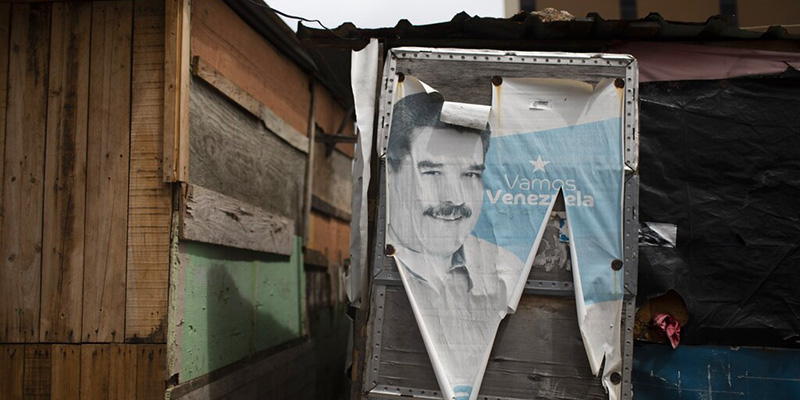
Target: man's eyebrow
(429, 164)
(477, 167)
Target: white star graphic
(539, 164)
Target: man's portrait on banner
(459, 285)
(469, 192)
(436, 195)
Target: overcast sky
(383, 13)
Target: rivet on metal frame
(497, 80)
(616, 265)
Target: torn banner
(467, 203)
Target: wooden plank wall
(85, 216)
(239, 53)
(249, 104)
(150, 205)
(328, 247)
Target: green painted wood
(280, 301)
(236, 303)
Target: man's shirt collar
(458, 265)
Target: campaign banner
(469, 192)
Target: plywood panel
(36, 373)
(107, 178)
(122, 371)
(222, 38)
(65, 376)
(236, 302)
(150, 372)
(95, 363)
(234, 154)
(23, 174)
(150, 204)
(65, 174)
(12, 358)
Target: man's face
(437, 193)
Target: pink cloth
(670, 326)
(671, 61)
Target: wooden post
(312, 128)
(177, 75)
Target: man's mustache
(448, 211)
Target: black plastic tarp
(721, 160)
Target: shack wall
(85, 215)
(256, 307)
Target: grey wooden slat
(470, 82)
(538, 352)
(232, 153)
(211, 217)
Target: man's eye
(432, 173)
(472, 174)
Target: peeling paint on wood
(237, 303)
(715, 372)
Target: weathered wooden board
(5, 27)
(12, 359)
(150, 372)
(333, 178)
(65, 174)
(176, 90)
(274, 123)
(273, 374)
(36, 372)
(65, 372)
(234, 154)
(122, 365)
(107, 177)
(330, 115)
(471, 82)
(150, 201)
(95, 363)
(23, 174)
(118, 371)
(321, 206)
(211, 217)
(238, 52)
(330, 237)
(538, 352)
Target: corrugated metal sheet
(522, 28)
(330, 49)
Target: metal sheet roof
(524, 30)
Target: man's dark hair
(415, 111)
